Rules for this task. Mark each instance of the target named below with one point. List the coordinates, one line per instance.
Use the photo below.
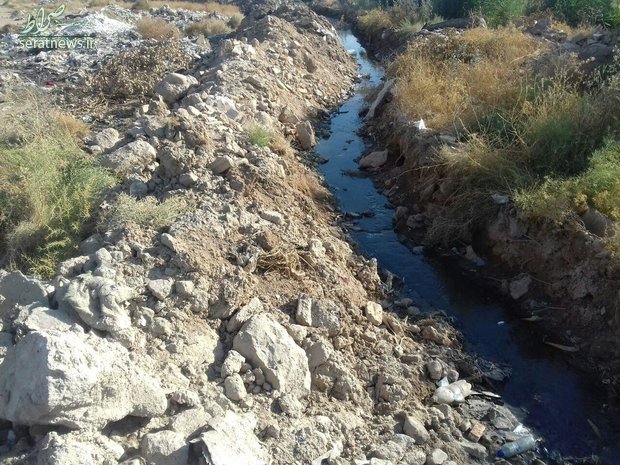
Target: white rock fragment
(234, 387)
(415, 429)
(374, 313)
(174, 86)
(222, 164)
(131, 158)
(160, 288)
(75, 380)
(233, 363)
(305, 135)
(272, 216)
(231, 440)
(100, 302)
(165, 448)
(267, 345)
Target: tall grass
(456, 80)
(48, 191)
(547, 141)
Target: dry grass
(281, 145)
(454, 81)
(76, 128)
(208, 27)
(158, 29)
(211, 7)
(308, 185)
(134, 72)
(146, 213)
(284, 261)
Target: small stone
(415, 429)
(477, 451)
(234, 388)
(165, 448)
(169, 241)
(476, 431)
(319, 353)
(305, 135)
(160, 288)
(272, 216)
(435, 370)
(233, 364)
(188, 179)
(374, 159)
(437, 457)
(221, 164)
(304, 310)
(520, 287)
(374, 313)
(185, 288)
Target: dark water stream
(548, 396)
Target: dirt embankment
(561, 278)
(247, 331)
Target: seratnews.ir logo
(33, 35)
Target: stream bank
(551, 395)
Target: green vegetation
(378, 15)
(550, 142)
(48, 188)
(260, 135)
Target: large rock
(305, 135)
(174, 86)
(231, 440)
(76, 380)
(374, 159)
(100, 302)
(131, 158)
(76, 449)
(267, 345)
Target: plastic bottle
(510, 449)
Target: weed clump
(49, 188)
(157, 29)
(208, 27)
(260, 135)
(145, 213)
(133, 73)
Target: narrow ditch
(558, 402)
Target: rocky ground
(249, 332)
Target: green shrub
(145, 213)
(259, 135)
(48, 191)
(577, 12)
(499, 12)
